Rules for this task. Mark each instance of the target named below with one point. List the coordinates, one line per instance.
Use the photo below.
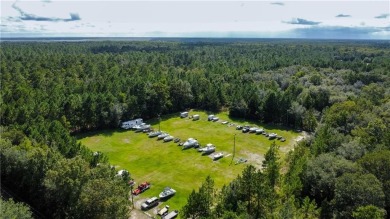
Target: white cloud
(176, 18)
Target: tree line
(89, 86)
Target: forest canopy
(337, 90)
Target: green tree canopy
(353, 190)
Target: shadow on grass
(109, 132)
(167, 142)
(216, 159)
(162, 200)
(103, 132)
(243, 121)
(207, 154)
(154, 121)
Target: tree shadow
(110, 132)
(155, 120)
(243, 121)
(216, 159)
(103, 132)
(207, 154)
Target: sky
(331, 19)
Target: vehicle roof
(151, 199)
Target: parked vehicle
(217, 156)
(142, 127)
(210, 117)
(167, 192)
(162, 136)
(196, 117)
(130, 124)
(253, 129)
(183, 114)
(171, 215)
(154, 134)
(163, 211)
(259, 131)
(168, 138)
(190, 143)
(147, 130)
(141, 188)
(241, 160)
(150, 203)
(272, 136)
(210, 148)
(239, 127)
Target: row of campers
(131, 123)
(137, 124)
(185, 114)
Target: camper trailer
(195, 117)
(130, 124)
(183, 114)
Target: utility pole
(159, 120)
(234, 149)
(132, 196)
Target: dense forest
(337, 90)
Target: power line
(17, 198)
(234, 150)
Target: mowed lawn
(166, 164)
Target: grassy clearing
(165, 164)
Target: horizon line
(185, 37)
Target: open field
(166, 164)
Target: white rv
(195, 117)
(130, 124)
(183, 114)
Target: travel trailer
(130, 124)
(195, 117)
(183, 114)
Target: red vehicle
(141, 188)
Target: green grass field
(166, 164)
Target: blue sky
(264, 19)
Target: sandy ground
(255, 159)
(137, 213)
(303, 135)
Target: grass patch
(165, 164)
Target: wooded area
(337, 89)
